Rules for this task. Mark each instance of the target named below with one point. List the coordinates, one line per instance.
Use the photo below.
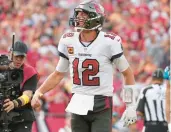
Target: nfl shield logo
(70, 50)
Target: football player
(91, 54)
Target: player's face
(18, 61)
(82, 17)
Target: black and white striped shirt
(152, 103)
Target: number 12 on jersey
(88, 75)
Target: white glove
(129, 116)
(169, 127)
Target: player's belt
(156, 123)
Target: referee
(151, 104)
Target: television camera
(9, 78)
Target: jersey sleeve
(116, 48)
(121, 63)
(62, 49)
(63, 65)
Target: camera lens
(15, 75)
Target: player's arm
(55, 77)
(51, 82)
(121, 63)
(129, 87)
(128, 93)
(119, 60)
(128, 76)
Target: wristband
(25, 99)
(15, 103)
(22, 100)
(128, 94)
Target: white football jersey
(91, 67)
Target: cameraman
(21, 105)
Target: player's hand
(129, 116)
(36, 100)
(8, 105)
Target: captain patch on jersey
(70, 50)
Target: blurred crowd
(142, 24)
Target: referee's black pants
(156, 127)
